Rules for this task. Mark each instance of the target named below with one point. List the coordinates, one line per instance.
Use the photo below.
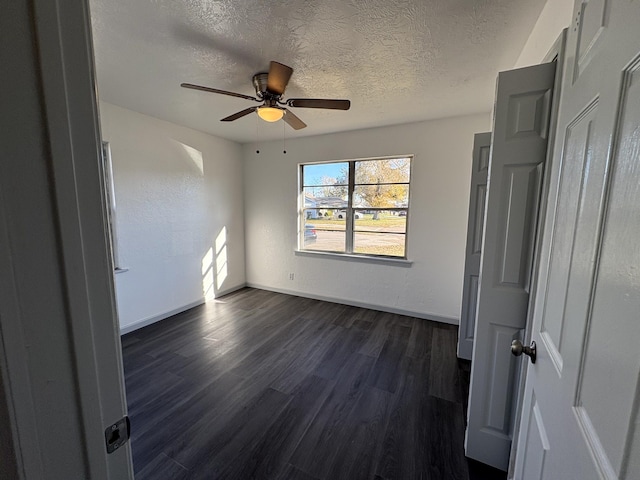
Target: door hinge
(117, 434)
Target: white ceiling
(398, 61)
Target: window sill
(400, 262)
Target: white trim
(592, 440)
(229, 290)
(55, 302)
(162, 316)
(110, 195)
(400, 262)
(14, 371)
(63, 38)
(353, 303)
(383, 157)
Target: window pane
(312, 214)
(387, 221)
(330, 222)
(325, 198)
(321, 239)
(381, 196)
(390, 170)
(390, 244)
(326, 174)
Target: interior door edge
(555, 53)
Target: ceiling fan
(269, 90)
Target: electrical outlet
(291, 275)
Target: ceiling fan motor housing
(260, 84)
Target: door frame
(557, 53)
(65, 115)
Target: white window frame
(350, 209)
(110, 198)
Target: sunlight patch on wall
(214, 266)
(221, 257)
(207, 276)
(194, 154)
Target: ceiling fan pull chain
(284, 139)
(257, 136)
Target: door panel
(469, 307)
(590, 23)
(585, 383)
(475, 229)
(518, 153)
(478, 224)
(501, 382)
(521, 189)
(607, 387)
(529, 115)
(537, 445)
(578, 149)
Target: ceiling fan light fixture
(270, 114)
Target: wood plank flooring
(261, 385)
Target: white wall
(555, 16)
(432, 286)
(178, 191)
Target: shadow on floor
(480, 471)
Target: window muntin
(356, 207)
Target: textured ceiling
(398, 61)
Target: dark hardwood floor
(260, 385)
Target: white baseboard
(381, 308)
(156, 318)
(161, 316)
(222, 293)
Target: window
(356, 207)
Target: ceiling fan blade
(293, 121)
(278, 78)
(319, 103)
(238, 115)
(215, 90)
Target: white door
(581, 399)
(518, 153)
(475, 225)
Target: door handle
(518, 349)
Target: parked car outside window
(310, 234)
(343, 214)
